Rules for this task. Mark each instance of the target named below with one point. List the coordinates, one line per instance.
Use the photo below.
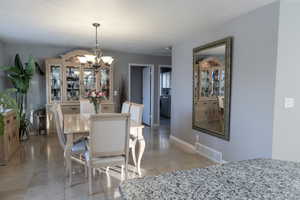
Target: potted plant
(21, 75)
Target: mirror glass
(211, 103)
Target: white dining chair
(57, 116)
(133, 140)
(80, 145)
(136, 112)
(86, 107)
(108, 142)
(125, 107)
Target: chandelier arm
(96, 36)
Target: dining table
(78, 125)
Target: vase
(96, 107)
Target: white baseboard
(210, 153)
(182, 143)
(201, 149)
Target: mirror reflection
(210, 89)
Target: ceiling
(137, 26)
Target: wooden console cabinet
(9, 141)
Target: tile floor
(36, 171)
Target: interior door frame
(158, 96)
(130, 65)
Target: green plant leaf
(18, 62)
(30, 67)
(7, 101)
(5, 68)
(18, 82)
(38, 67)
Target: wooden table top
(80, 123)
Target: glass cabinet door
(89, 81)
(215, 78)
(205, 84)
(72, 83)
(105, 82)
(55, 83)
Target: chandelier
(97, 59)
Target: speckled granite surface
(244, 180)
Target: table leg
(133, 151)
(141, 142)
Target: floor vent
(209, 153)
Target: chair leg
(122, 173)
(140, 154)
(90, 180)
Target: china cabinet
(68, 81)
(210, 85)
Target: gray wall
(37, 95)
(121, 70)
(286, 138)
(253, 85)
(136, 84)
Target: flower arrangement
(95, 97)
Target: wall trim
(204, 150)
(183, 143)
(210, 153)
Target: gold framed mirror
(212, 88)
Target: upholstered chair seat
(80, 146)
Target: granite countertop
(244, 180)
